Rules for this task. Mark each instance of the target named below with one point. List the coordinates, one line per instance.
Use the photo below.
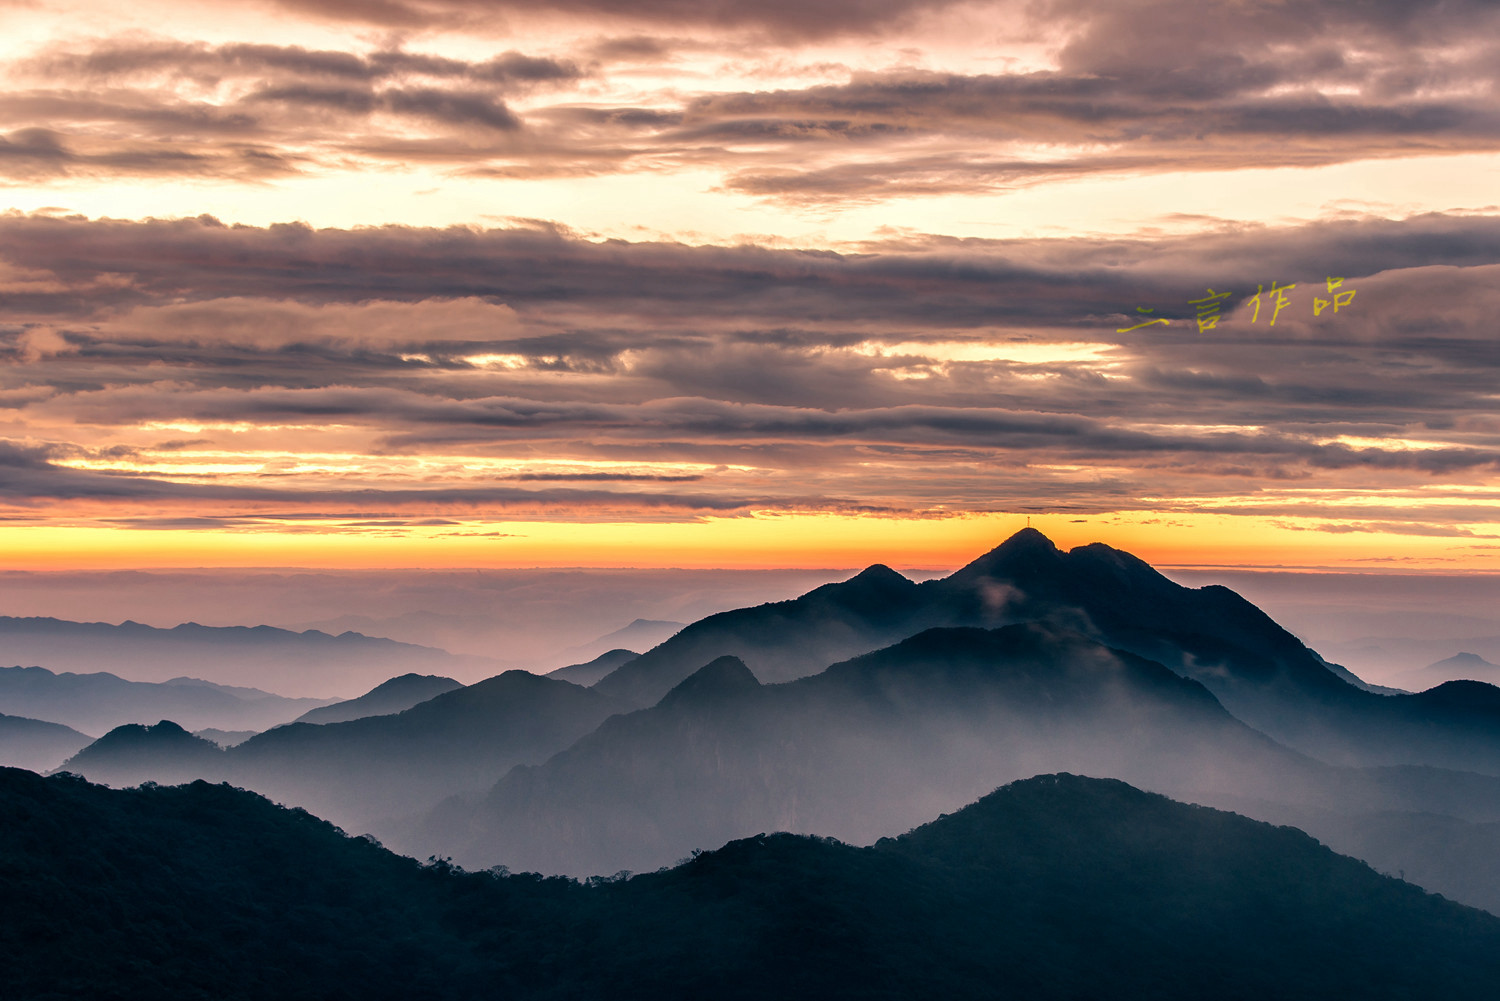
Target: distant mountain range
(871, 745)
(37, 744)
(304, 664)
(1459, 667)
(590, 672)
(98, 701)
(865, 706)
(641, 634)
(1260, 672)
(393, 696)
(361, 772)
(1056, 887)
(865, 749)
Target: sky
(457, 283)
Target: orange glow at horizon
(284, 285)
(764, 542)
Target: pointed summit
(393, 696)
(713, 683)
(1021, 555)
(873, 581)
(877, 574)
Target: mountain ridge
(1056, 887)
(363, 770)
(392, 696)
(37, 744)
(856, 751)
(1260, 671)
(100, 700)
(310, 663)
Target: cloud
(783, 18)
(604, 478)
(271, 323)
(29, 477)
(1137, 86)
(38, 154)
(230, 368)
(116, 61)
(133, 106)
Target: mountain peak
(878, 573)
(1464, 660)
(716, 681)
(130, 734)
(396, 695)
(872, 591)
(1028, 548)
(129, 752)
(876, 581)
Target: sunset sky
(460, 283)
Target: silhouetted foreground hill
(1056, 887)
(393, 696)
(101, 701)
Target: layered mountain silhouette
(640, 634)
(1028, 660)
(590, 672)
(1459, 667)
(305, 664)
(37, 744)
(1259, 671)
(225, 738)
(1055, 887)
(871, 745)
(360, 771)
(97, 702)
(393, 696)
(782, 640)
